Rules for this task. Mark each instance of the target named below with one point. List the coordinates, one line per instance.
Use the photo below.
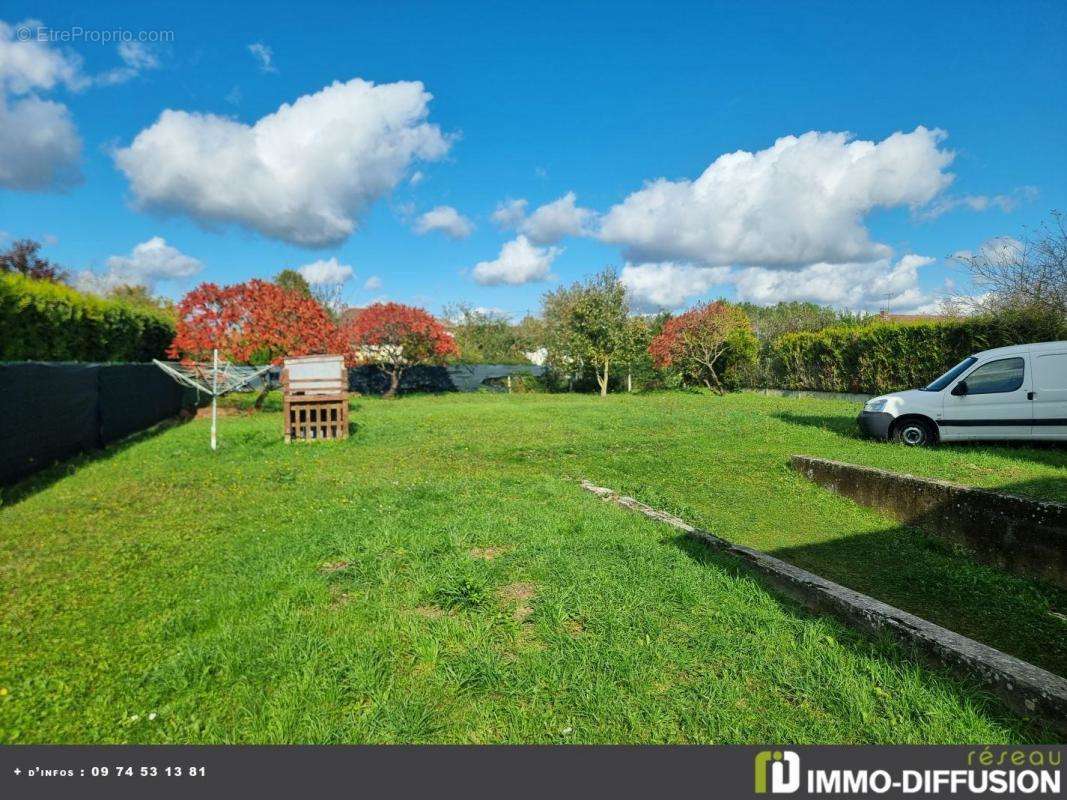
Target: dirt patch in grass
(430, 612)
(334, 566)
(520, 594)
(574, 627)
(223, 411)
(487, 553)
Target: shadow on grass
(41, 480)
(906, 569)
(880, 645)
(842, 426)
(1053, 454)
(912, 571)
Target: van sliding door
(1050, 395)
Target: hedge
(46, 321)
(879, 358)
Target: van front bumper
(875, 423)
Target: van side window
(1005, 375)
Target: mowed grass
(441, 577)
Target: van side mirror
(960, 389)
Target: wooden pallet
(315, 417)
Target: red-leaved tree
(694, 342)
(253, 322)
(395, 337)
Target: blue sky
(530, 102)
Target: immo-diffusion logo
(1019, 771)
(784, 769)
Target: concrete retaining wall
(1027, 537)
(1028, 689)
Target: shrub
(881, 358)
(41, 320)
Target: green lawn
(440, 577)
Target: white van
(1015, 392)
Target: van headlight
(875, 405)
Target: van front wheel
(914, 433)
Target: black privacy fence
(430, 378)
(52, 411)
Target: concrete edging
(1023, 687)
(1018, 534)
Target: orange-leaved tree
(694, 343)
(255, 322)
(394, 337)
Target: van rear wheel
(914, 433)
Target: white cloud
(39, 145)
(445, 219)
(40, 149)
(996, 249)
(372, 284)
(32, 65)
(868, 286)
(136, 57)
(509, 213)
(801, 201)
(667, 285)
(264, 55)
(549, 223)
(1001, 249)
(416, 178)
(981, 202)
(857, 286)
(326, 272)
(519, 262)
(148, 263)
(303, 174)
(552, 221)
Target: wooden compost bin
(315, 400)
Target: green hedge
(45, 321)
(880, 358)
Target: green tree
(139, 297)
(589, 327)
(485, 337)
(293, 281)
(640, 371)
(704, 342)
(769, 322)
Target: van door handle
(1030, 395)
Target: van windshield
(950, 376)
